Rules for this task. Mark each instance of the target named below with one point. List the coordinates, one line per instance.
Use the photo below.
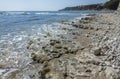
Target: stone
(58, 46)
(51, 70)
(97, 51)
(11, 74)
(2, 71)
(88, 70)
(94, 62)
(39, 58)
(111, 73)
(68, 77)
(54, 75)
(83, 74)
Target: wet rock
(51, 71)
(71, 51)
(91, 28)
(55, 41)
(30, 42)
(44, 72)
(88, 70)
(58, 46)
(54, 75)
(48, 34)
(2, 71)
(94, 62)
(52, 43)
(11, 74)
(68, 77)
(64, 28)
(39, 58)
(97, 51)
(65, 47)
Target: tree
(112, 4)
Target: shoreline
(93, 53)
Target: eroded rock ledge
(96, 57)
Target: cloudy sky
(42, 5)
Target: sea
(18, 27)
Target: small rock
(111, 73)
(84, 75)
(65, 47)
(2, 71)
(11, 74)
(68, 77)
(93, 62)
(58, 46)
(39, 58)
(97, 51)
(88, 70)
(54, 75)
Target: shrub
(112, 4)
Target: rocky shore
(92, 53)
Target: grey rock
(97, 51)
(83, 74)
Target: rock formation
(109, 5)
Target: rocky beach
(90, 50)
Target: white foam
(43, 13)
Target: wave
(42, 13)
(35, 13)
(52, 13)
(15, 13)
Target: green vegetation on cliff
(110, 5)
(86, 7)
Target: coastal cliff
(84, 7)
(110, 5)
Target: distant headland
(110, 5)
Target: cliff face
(110, 5)
(85, 7)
